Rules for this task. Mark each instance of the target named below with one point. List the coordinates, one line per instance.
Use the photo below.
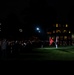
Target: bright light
(37, 28)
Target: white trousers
(56, 46)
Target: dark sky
(44, 12)
(26, 13)
(62, 7)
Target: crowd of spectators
(15, 47)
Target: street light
(37, 29)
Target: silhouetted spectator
(16, 48)
(3, 48)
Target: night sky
(62, 7)
(28, 13)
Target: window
(64, 31)
(69, 31)
(53, 31)
(72, 36)
(65, 37)
(56, 25)
(66, 25)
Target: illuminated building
(63, 32)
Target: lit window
(69, 31)
(56, 25)
(64, 31)
(73, 36)
(58, 31)
(65, 37)
(66, 25)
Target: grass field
(51, 53)
(61, 53)
(47, 53)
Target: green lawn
(62, 53)
(49, 53)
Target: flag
(50, 41)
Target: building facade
(63, 31)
